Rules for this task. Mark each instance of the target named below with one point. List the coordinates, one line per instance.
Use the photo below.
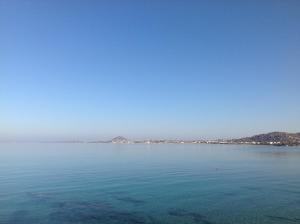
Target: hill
(120, 140)
(273, 138)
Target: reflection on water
(103, 183)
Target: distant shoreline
(132, 143)
(271, 139)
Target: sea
(148, 184)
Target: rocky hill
(273, 138)
(120, 140)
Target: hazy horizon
(90, 138)
(149, 69)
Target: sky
(149, 69)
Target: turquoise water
(136, 184)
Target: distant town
(273, 138)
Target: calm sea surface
(137, 184)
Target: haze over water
(112, 183)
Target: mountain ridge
(272, 138)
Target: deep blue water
(136, 184)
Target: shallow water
(137, 184)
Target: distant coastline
(272, 138)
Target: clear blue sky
(191, 69)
